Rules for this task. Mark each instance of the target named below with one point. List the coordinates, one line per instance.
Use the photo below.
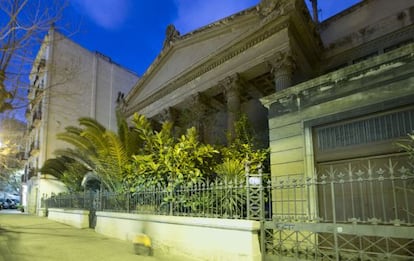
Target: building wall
(72, 83)
(81, 84)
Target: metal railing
(80, 200)
(353, 210)
(349, 210)
(382, 200)
(225, 199)
(381, 197)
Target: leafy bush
(167, 160)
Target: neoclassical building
(208, 77)
(330, 99)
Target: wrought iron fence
(380, 200)
(218, 199)
(347, 211)
(354, 210)
(380, 197)
(80, 200)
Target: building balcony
(37, 118)
(34, 149)
(31, 92)
(29, 173)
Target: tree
(67, 170)
(11, 153)
(23, 24)
(95, 149)
(243, 150)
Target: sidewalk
(30, 238)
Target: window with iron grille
(371, 135)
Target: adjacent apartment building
(67, 82)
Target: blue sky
(132, 32)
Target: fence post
(247, 173)
(335, 228)
(128, 202)
(255, 202)
(171, 202)
(44, 201)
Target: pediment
(195, 60)
(189, 51)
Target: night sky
(132, 32)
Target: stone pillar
(199, 110)
(231, 86)
(282, 66)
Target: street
(26, 237)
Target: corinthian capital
(282, 61)
(230, 83)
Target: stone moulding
(291, 98)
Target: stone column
(231, 86)
(199, 112)
(282, 66)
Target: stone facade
(329, 99)
(231, 64)
(253, 62)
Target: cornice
(333, 83)
(343, 13)
(376, 43)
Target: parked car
(8, 203)
(3, 203)
(12, 203)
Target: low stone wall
(72, 217)
(201, 238)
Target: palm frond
(94, 132)
(116, 150)
(91, 124)
(78, 156)
(55, 166)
